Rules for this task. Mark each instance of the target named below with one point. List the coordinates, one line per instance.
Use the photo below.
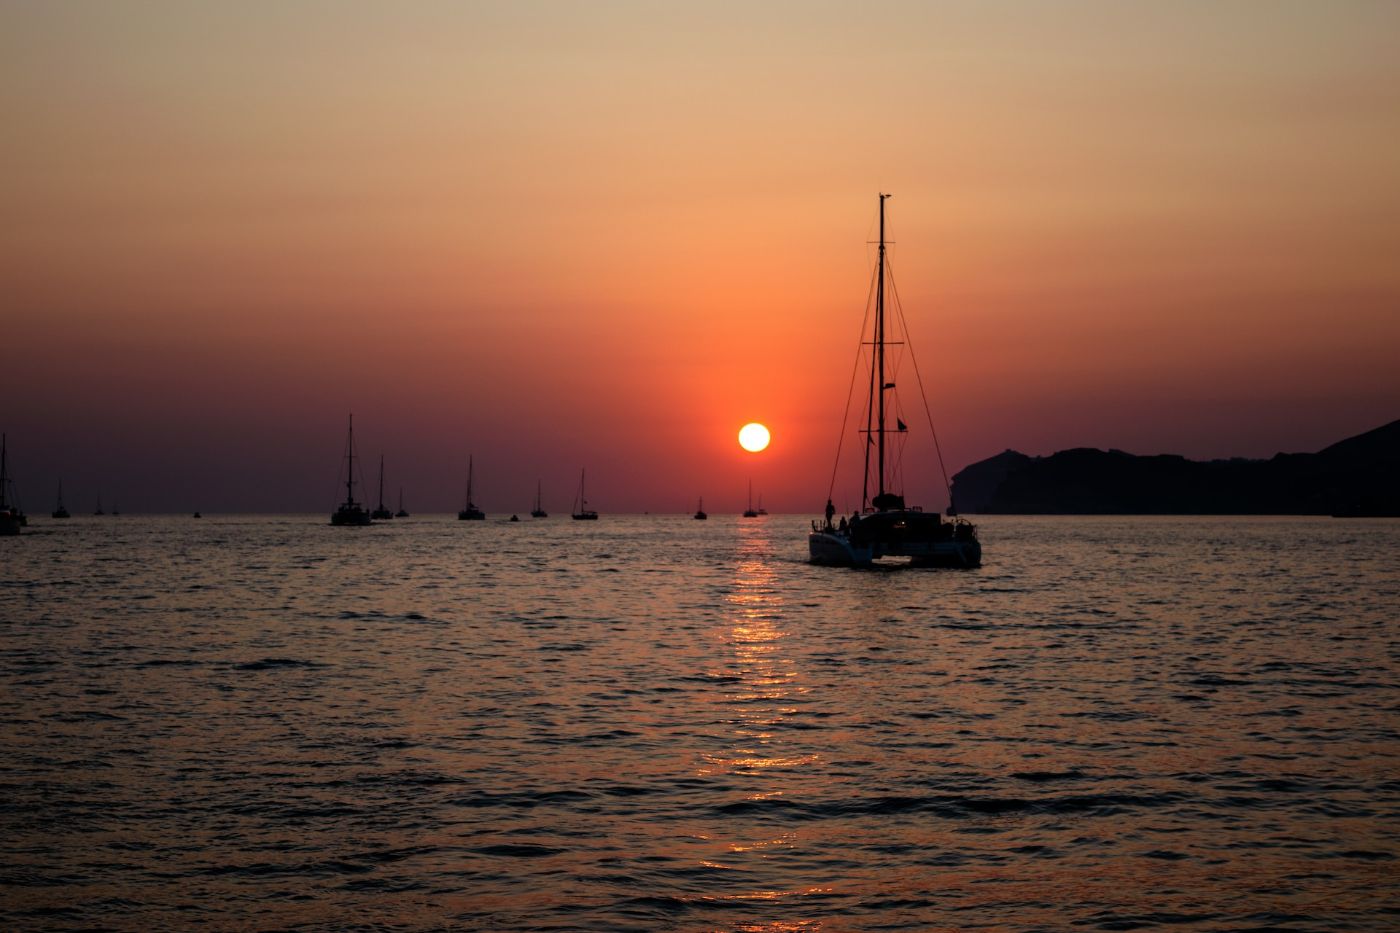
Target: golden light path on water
(651, 723)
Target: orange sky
(556, 234)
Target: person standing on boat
(830, 512)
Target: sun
(754, 437)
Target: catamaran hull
(839, 551)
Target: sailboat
(749, 512)
(401, 513)
(98, 510)
(382, 513)
(761, 509)
(582, 513)
(471, 513)
(886, 526)
(700, 513)
(58, 510)
(350, 512)
(11, 518)
(538, 511)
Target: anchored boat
(470, 513)
(885, 526)
(581, 512)
(382, 513)
(349, 512)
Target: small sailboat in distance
(538, 511)
(58, 510)
(581, 512)
(98, 510)
(401, 513)
(749, 512)
(382, 513)
(350, 512)
(11, 519)
(700, 514)
(471, 513)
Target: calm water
(654, 723)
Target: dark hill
(1357, 476)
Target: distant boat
(11, 518)
(58, 510)
(197, 515)
(471, 513)
(886, 527)
(538, 511)
(761, 509)
(515, 518)
(581, 512)
(350, 512)
(700, 510)
(382, 513)
(401, 513)
(749, 512)
(98, 510)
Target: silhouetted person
(830, 512)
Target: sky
(552, 235)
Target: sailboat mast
(469, 480)
(350, 461)
(880, 349)
(4, 475)
(381, 481)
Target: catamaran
(885, 526)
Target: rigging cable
(899, 306)
(855, 368)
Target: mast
(469, 480)
(880, 350)
(4, 476)
(381, 481)
(350, 460)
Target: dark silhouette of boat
(750, 512)
(11, 518)
(886, 526)
(700, 513)
(581, 511)
(98, 510)
(350, 512)
(471, 513)
(59, 511)
(538, 511)
(401, 513)
(382, 513)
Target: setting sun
(753, 437)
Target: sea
(654, 723)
